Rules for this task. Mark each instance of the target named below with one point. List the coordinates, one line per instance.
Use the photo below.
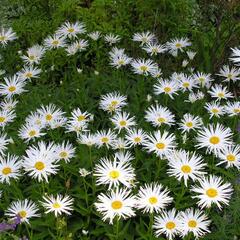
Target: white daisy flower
(212, 190)
(87, 139)
(168, 87)
(202, 79)
(34, 55)
(120, 143)
(118, 58)
(94, 35)
(112, 102)
(135, 137)
(160, 143)
(177, 44)
(111, 38)
(122, 120)
(186, 83)
(190, 122)
(112, 173)
(65, 151)
(143, 67)
(193, 221)
(39, 161)
(143, 37)
(167, 223)
(153, 197)
(232, 108)
(29, 131)
(185, 165)
(219, 92)
(154, 48)
(10, 167)
(6, 117)
(77, 46)
(119, 203)
(50, 113)
(8, 104)
(12, 86)
(7, 35)
(215, 109)
(156, 73)
(54, 41)
(214, 138)
(230, 74)
(71, 30)
(79, 116)
(28, 73)
(105, 138)
(230, 156)
(77, 127)
(58, 205)
(158, 115)
(25, 209)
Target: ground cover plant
(117, 130)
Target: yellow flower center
(214, 140)
(114, 103)
(192, 223)
(56, 205)
(178, 45)
(22, 214)
(160, 145)
(231, 157)
(114, 174)
(236, 110)
(170, 225)
(6, 170)
(29, 75)
(12, 89)
(144, 68)
(63, 154)
(71, 30)
(189, 124)
(186, 84)
(137, 139)
(221, 94)
(123, 123)
(81, 118)
(212, 192)
(2, 119)
(186, 169)
(31, 57)
(167, 89)
(161, 120)
(201, 79)
(49, 117)
(153, 200)
(55, 42)
(105, 139)
(39, 166)
(32, 133)
(116, 205)
(2, 38)
(121, 62)
(215, 110)
(229, 76)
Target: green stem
(117, 228)
(150, 226)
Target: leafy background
(213, 27)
